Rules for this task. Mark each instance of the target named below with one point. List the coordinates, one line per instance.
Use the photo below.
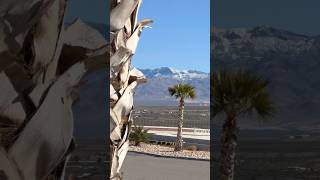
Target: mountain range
(290, 61)
(155, 91)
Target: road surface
(145, 167)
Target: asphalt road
(145, 167)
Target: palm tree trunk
(229, 144)
(179, 143)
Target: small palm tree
(139, 135)
(181, 92)
(235, 94)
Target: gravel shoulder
(166, 151)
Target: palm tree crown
(237, 93)
(182, 91)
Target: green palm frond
(182, 91)
(239, 93)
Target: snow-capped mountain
(168, 72)
(155, 91)
(290, 61)
(243, 43)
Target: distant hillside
(290, 61)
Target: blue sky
(180, 35)
(294, 15)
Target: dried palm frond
(125, 32)
(40, 65)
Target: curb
(174, 129)
(171, 157)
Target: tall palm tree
(236, 94)
(181, 92)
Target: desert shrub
(139, 135)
